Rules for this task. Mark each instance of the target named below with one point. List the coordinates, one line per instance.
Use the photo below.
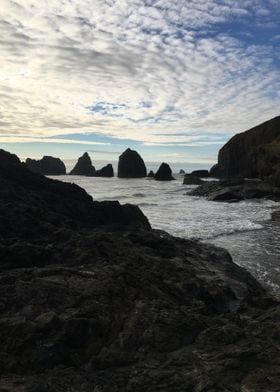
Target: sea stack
(254, 153)
(106, 171)
(131, 165)
(164, 173)
(151, 174)
(83, 167)
(48, 166)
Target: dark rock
(47, 166)
(275, 216)
(236, 189)
(189, 179)
(164, 173)
(131, 165)
(200, 173)
(182, 171)
(106, 171)
(83, 167)
(254, 153)
(90, 307)
(151, 174)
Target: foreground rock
(254, 153)
(190, 179)
(87, 305)
(131, 165)
(48, 166)
(164, 173)
(106, 171)
(236, 190)
(83, 167)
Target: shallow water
(242, 228)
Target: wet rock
(48, 166)
(164, 173)
(189, 179)
(106, 171)
(236, 189)
(131, 165)
(83, 167)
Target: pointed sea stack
(164, 173)
(151, 174)
(83, 167)
(48, 166)
(106, 171)
(131, 165)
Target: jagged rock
(97, 307)
(83, 167)
(131, 165)
(254, 153)
(151, 174)
(164, 173)
(236, 189)
(48, 166)
(190, 179)
(200, 173)
(182, 171)
(106, 171)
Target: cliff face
(254, 153)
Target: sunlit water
(243, 228)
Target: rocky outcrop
(151, 174)
(83, 167)
(236, 189)
(254, 153)
(200, 173)
(48, 166)
(182, 171)
(190, 179)
(164, 173)
(131, 165)
(91, 306)
(106, 171)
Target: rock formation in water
(131, 165)
(92, 299)
(83, 167)
(190, 179)
(106, 171)
(164, 173)
(200, 173)
(182, 171)
(254, 153)
(236, 189)
(151, 174)
(48, 166)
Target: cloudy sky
(173, 79)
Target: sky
(172, 79)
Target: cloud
(137, 69)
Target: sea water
(243, 228)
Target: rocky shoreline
(93, 299)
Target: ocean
(243, 228)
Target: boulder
(106, 171)
(83, 167)
(131, 165)
(164, 173)
(151, 174)
(190, 179)
(236, 189)
(48, 166)
(254, 153)
(200, 173)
